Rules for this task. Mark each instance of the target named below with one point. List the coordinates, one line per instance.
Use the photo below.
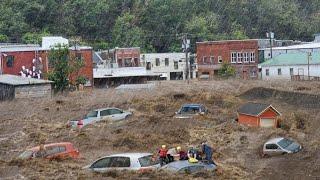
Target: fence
(304, 78)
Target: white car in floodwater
(126, 161)
(113, 114)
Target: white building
(171, 66)
(291, 66)
(306, 47)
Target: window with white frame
(239, 57)
(219, 59)
(267, 72)
(233, 57)
(245, 57)
(204, 60)
(252, 57)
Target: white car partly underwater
(113, 114)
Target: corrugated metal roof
(292, 59)
(18, 80)
(299, 46)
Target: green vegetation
(64, 66)
(227, 71)
(155, 25)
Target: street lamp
(270, 35)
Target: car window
(54, 150)
(285, 143)
(148, 161)
(92, 114)
(120, 162)
(115, 111)
(102, 163)
(271, 146)
(191, 169)
(105, 112)
(26, 154)
(189, 110)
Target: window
(10, 60)
(271, 146)
(92, 114)
(54, 150)
(148, 66)
(166, 61)
(246, 57)
(204, 60)
(148, 161)
(128, 62)
(176, 65)
(101, 163)
(115, 111)
(157, 62)
(120, 62)
(291, 71)
(106, 112)
(267, 72)
(252, 57)
(233, 57)
(219, 59)
(79, 56)
(120, 162)
(279, 71)
(211, 59)
(239, 57)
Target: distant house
(258, 115)
(17, 87)
(291, 66)
(171, 66)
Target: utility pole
(309, 58)
(185, 46)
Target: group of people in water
(193, 155)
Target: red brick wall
(248, 120)
(131, 53)
(23, 58)
(224, 49)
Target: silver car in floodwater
(187, 167)
(113, 114)
(126, 161)
(190, 111)
(279, 146)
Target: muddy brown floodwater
(26, 123)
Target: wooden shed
(258, 115)
(17, 87)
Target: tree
(126, 33)
(3, 38)
(64, 64)
(226, 70)
(34, 38)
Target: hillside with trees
(156, 25)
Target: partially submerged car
(113, 114)
(61, 150)
(187, 167)
(279, 146)
(127, 161)
(191, 110)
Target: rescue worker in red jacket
(163, 155)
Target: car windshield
(26, 154)
(285, 143)
(148, 161)
(189, 110)
(91, 114)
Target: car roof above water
(274, 140)
(191, 105)
(182, 164)
(133, 155)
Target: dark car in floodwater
(190, 111)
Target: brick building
(121, 57)
(241, 54)
(15, 59)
